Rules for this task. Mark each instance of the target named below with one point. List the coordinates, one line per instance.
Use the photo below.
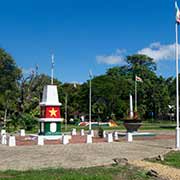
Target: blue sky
(87, 34)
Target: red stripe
(178, 20)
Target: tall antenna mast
(52, 68)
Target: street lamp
(66, 105)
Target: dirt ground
(164, 171)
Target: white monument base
(65, 139)
(104, 134)
(129, 137)
(82, 132)
(4, 139)
(12, 141)
(88, 139)
(116, 135)
(22, 132)
(109, 137)
(73, 133)
(53, 137)
(41, 140)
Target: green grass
(162, 125)
(78, 128)
(147, 125)
(172, 159)
(95, 173)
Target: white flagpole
(135, 108)
(177, 93)
(90, 76)
(52, 68)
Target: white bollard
(65, 139)
(69, 137)
(88, 139)
(109, 138)
(91, 132)
(116, 135)
(4, 139)
(82, 132)
(40, 140)
(129, 137)
(73, 133)
(3, 131)
(22, 132)
(12, 141)
(104, 134)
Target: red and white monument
(50, 118)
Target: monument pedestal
(50, 121)
(49, 128)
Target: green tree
(9, 77)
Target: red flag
(138, 79)
(177, 13)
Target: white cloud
(115, 58)
(158, 52)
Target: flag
(138, 79)
(177, 13)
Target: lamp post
(66, 103)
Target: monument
(50, 118)
(132, 123)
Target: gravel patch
(163, 170)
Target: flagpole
(52, 68)
(135, 108)
(177, 93)
(89, 101)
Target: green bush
(100, 132)
(27, 121)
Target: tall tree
(9, 76)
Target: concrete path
(80, 155)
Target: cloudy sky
(87, 34)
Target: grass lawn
(95, 173)
(160, 125)
(163, 125)
(172, 159)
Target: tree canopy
(20, 95)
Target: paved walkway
(80, 155)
